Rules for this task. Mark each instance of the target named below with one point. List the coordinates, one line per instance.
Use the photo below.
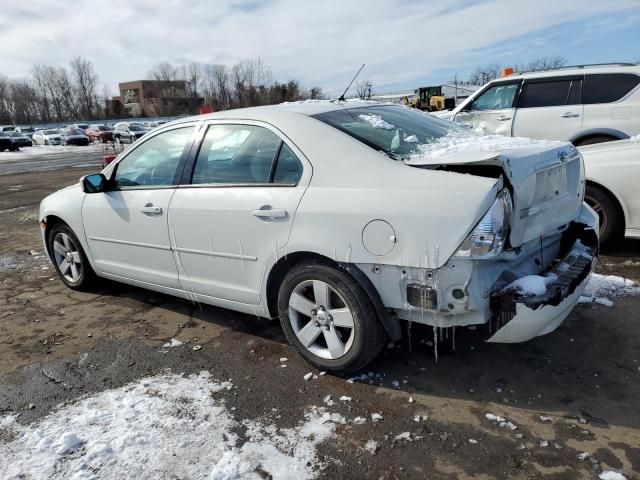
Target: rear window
(545, 94)
(608, 87)
(394, 130)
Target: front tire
(329, 318)
(609, 215)
(69, 258)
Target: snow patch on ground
(39, 150)
(609, 475)
(601, 286)
(457, 143)
(168, 426)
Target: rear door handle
(269, 213)
(151, 210)
(570, 115)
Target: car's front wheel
(69, 258)
(329, 318)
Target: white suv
(583, 105)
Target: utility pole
(455, 95)
(369, 85)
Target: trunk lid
(547, 182)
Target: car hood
(547, 181)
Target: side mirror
(94, 183)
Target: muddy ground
(56, 345)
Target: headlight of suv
(487, 239)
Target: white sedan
(340, 220)
(613, 173)
(47, 137)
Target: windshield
(51, 132)
(102, 128)
(135, 128)
(393, 129)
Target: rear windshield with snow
(396, 130)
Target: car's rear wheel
(609, 216)
(329, 318)
(69, 258)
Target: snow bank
(459, 142)
(168, 426)
(39, 150)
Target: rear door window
(545, 94)
(608, 87)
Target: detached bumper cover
(519, 317)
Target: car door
(237, 210)
(493, 110)
(550, 108)
(126, 226)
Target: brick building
(153, 98)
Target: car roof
(305, 107)
(569, 71)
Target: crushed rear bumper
(518, 316)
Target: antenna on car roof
(341, 98)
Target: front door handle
(269, 213)
(570, 115)
(503, 118)
(151, 210)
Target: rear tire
(609, 215)
(329, 318)
(69, 259)
(594, 139)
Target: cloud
(320, 43)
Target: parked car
(27, 130)
(612, 171)
(584, 105)
(6, 143)
(50, 136)
(20, 139)
(74, 137)
(328, 217)
(99, 133)
(125, 133)
(7, 128)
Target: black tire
(594, 139)
(610, 217)
(87, 276)
(368, 333)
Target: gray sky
(321, 42)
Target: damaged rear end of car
(523, 267)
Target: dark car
(20, 139)
(6, 143)
(100, 133)
(74, 137)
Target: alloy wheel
(67, 257)
(321, 319)
(602, 213)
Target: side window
(236, 154)
(545, 94)
(497, 97)
(608, 87)
(288, 167)
(153, 162)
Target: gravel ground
(57, 345)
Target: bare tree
(363, 89)
(485, 74)
(164, 71)
(85, 85)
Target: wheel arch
(286, 263)
(598, 132)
